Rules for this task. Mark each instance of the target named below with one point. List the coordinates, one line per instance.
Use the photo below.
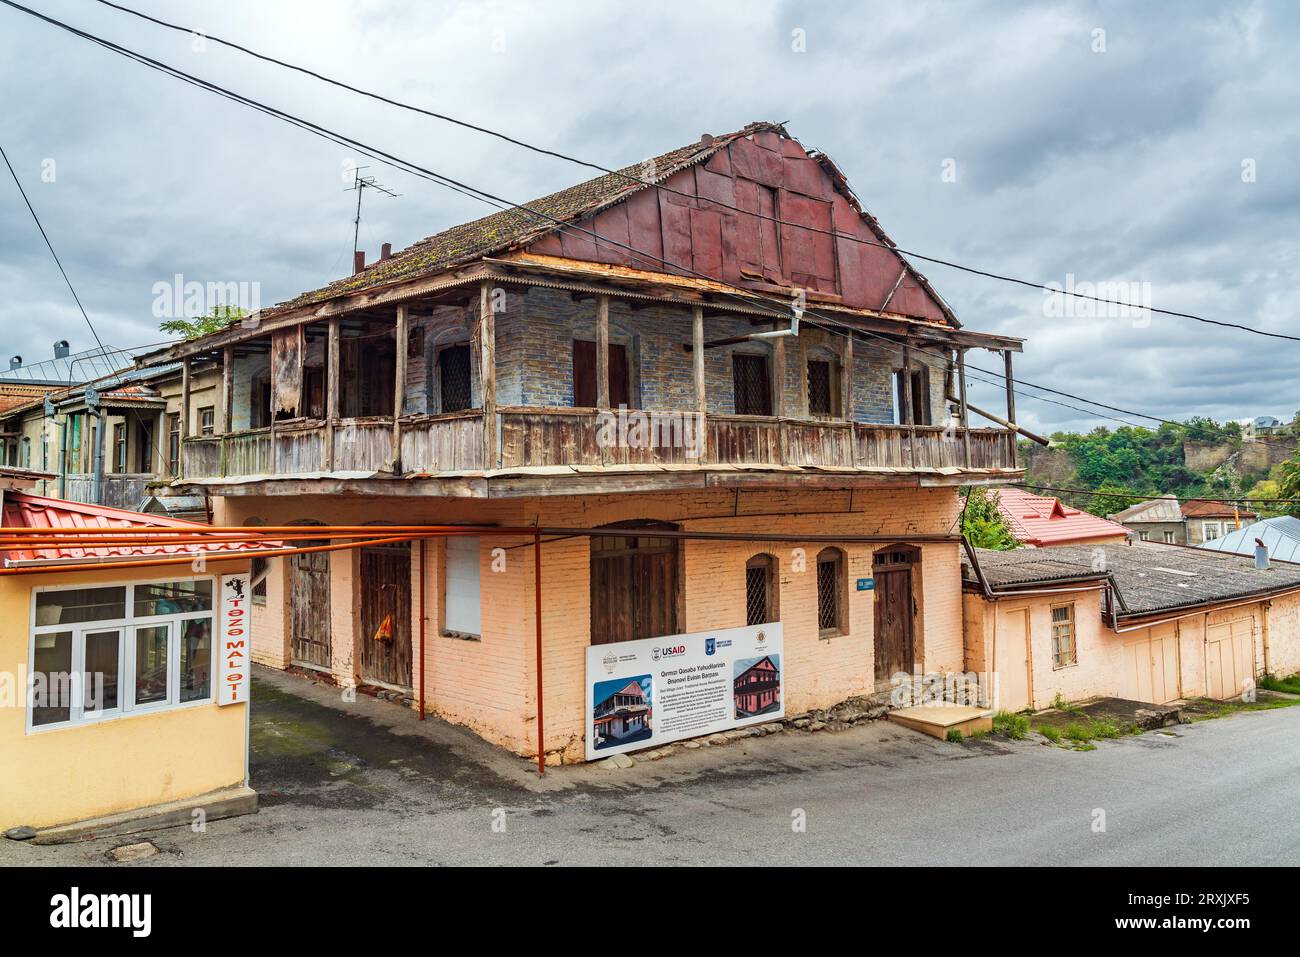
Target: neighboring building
(138, 446)
(1146, 622)
(21, 384)
(1280, 536)
(1262, 425)
(1040, 520)
(1207, 521)
(714, 468)
(1155, 520)
(145, 729)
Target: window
(207, 420)
(830, 592)
(109, 651)
(461, 609)
(1064, 653)
(119, 447)
(1144, 535)
(25, 455)
(823, 389)
(1209, 530)
(751, 384)
(760, 590)
(920, 389)
(454, 378)
(1169, 538)
(173, 444)
(258, 574)
(635, 583)
(584, 375)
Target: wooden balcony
(117, 489)
(539, 437)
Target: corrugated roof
(1201, 509)
(1042, 520)
(22, 510)
(1162, 509)
(1148, 577)
(1281, 536)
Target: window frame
(762, 361)
(1070, 623)
(771, 586)
(126, 627)
(174, 444)
(208, 420)
(1205, 530)
(841, 583)
(1170, 538)
(832, 410)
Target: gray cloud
(1115, 166)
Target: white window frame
(1210, 531)
(126, 628)
(1170, 538)
(470, 606)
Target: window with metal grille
(1064, 653)
(174, 444)
(821, 389)
(760, 590)
(830, 598)
(751, 384)
(453, 371)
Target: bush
(1014, 726)
(1050, 733)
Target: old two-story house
(1192, 522)
(722, 395)
(113, 440)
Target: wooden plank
(602, 352)
(186, 386)
(331, 392)
(1011, 391)
(488, 372)
(227, 387)
(286, 372)
(399, 386)
(846, 380)
(961, 385)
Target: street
(367, 783)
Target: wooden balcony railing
(116, 489)
(564, 436)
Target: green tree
(215, 321)
(982, 523)
(1110, 499)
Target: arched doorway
(895, 610)
(386, 614)
(309, 606)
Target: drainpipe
(774, 334)
(424, 577)
(537, 615)
(1265, 606)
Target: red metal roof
(1200, 509)
(22, 510)
(1044, 520)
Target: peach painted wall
(490, 684)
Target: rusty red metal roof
(1202, 509)
(1043, 520)
(22, 510)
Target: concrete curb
(228, 802)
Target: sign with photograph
(235, 649)
(656, 690)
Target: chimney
(61, 349)
(1261, 555)
(15, 363)
(706, 139)
(358, 261)
(385, 250)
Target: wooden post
(905, 416)
(1011, 390)
(331, 393)
(778, 376)
(697, 366)
(185, 413)
(227, 388)
(846, 380)
(487, 344)
(399, 385)
(602, 352)
(961, 392)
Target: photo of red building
(757, 686)
(622, 711)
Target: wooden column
(399, 384)
(331, 393)
(1011, 387)
(487, 343)
(185, 414)
(905, 416)
(697, 367)
(846, 380)
(227, 388)
(778, 376)
(602, 352)
(961, 393)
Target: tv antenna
(361, 184)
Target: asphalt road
(365, 783)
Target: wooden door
(634, 589)
(1012, 664)
(895, 638)
(386, 615)
(584, 375)
(309, 609)
(1230, 658)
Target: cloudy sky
(1145, 144)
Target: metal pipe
(537, 614)
(424, 578)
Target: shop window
(830, 592)
(130, 648)
(1064, 652)
(635, 583)
(462, 616)
(751, 384)
(454, 379)
(760, 590)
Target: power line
(835, 234)
(464, 188)
(1123, 494)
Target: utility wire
(422, 172)
(1214, 501)
(835, 234)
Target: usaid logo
(710, 646)
(671, 652)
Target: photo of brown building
(757, 686)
